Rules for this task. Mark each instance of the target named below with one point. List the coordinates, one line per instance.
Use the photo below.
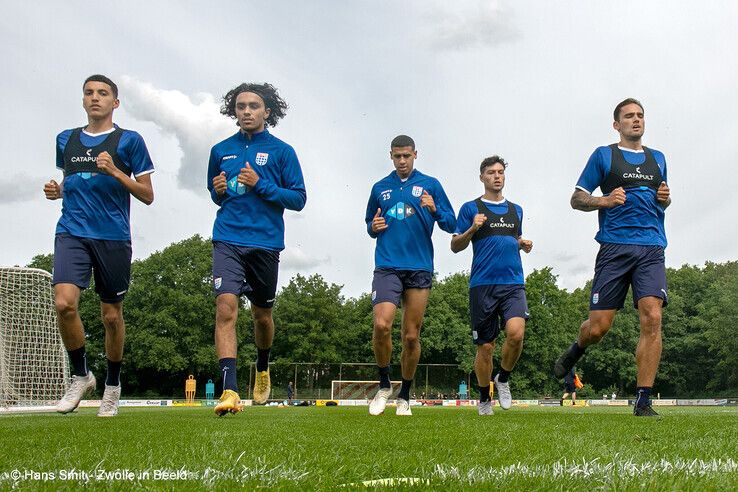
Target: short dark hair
(630, 100)
(491, 161)
(267, 92)
(402, 141)
(105, 80)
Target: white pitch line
(588, 469)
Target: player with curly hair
(253, 177)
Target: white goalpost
(34, 372)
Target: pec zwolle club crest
(417, 190)
(261, 158)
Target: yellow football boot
(229, 402)
(262, 387)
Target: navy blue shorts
(246, 271)
(389, 284)
(490, 308)
(570, 387)
(621, 265)
(76, 258)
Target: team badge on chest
(261, 158)
(417, 190)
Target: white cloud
(481, 24)
(295, 259)
(15, 189)
(195, 122)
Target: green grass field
(305, 448)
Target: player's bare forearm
(460, 242)
(140, 187)
(581, 200)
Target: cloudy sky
(533, 81)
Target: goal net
(34, 371)
(359, 390)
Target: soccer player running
(93, 234)
(402, 210)
(497, 300)
(632, 241)
(253, 177)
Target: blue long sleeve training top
(253, 217)
(406, 243)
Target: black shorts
(621, 265)
(245, 271)
(570, 388)
(77, 258)
(389, 284)
(490, 308)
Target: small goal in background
(359, 390)
(34, 372)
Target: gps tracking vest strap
(629, 176)
(79, 158)
(497, 225)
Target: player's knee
(65, 308)
(262, 318)
(382, 328)
(112, 318)
(411, 340)
(515, 337)
(486, 349)
(226, 311)
(598, 328)
(597, 332)
(651, 319)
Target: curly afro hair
(275, 104)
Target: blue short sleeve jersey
(95, 205)
(254, 217)
(496, 258)
(640, 220)
(406, 243)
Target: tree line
(170, 312)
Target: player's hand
(616, 197)
(248, 176)
(426, 201)
(479, 221)
(219, 183)
(105, 164)
(378, 223)
(525, 244)
(662, 194)
(52, 190)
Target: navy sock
(384, 379)
(228, 372)
(579, 350)
(262, 359)
(644, 396)
(484, 393)
(113, 378)
(405, 389)
(78, 357)
(503, 375)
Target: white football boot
(403, 407)
(503, 394)
(109, 402)
(376, 407)
(485, 408)
(79, 386)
